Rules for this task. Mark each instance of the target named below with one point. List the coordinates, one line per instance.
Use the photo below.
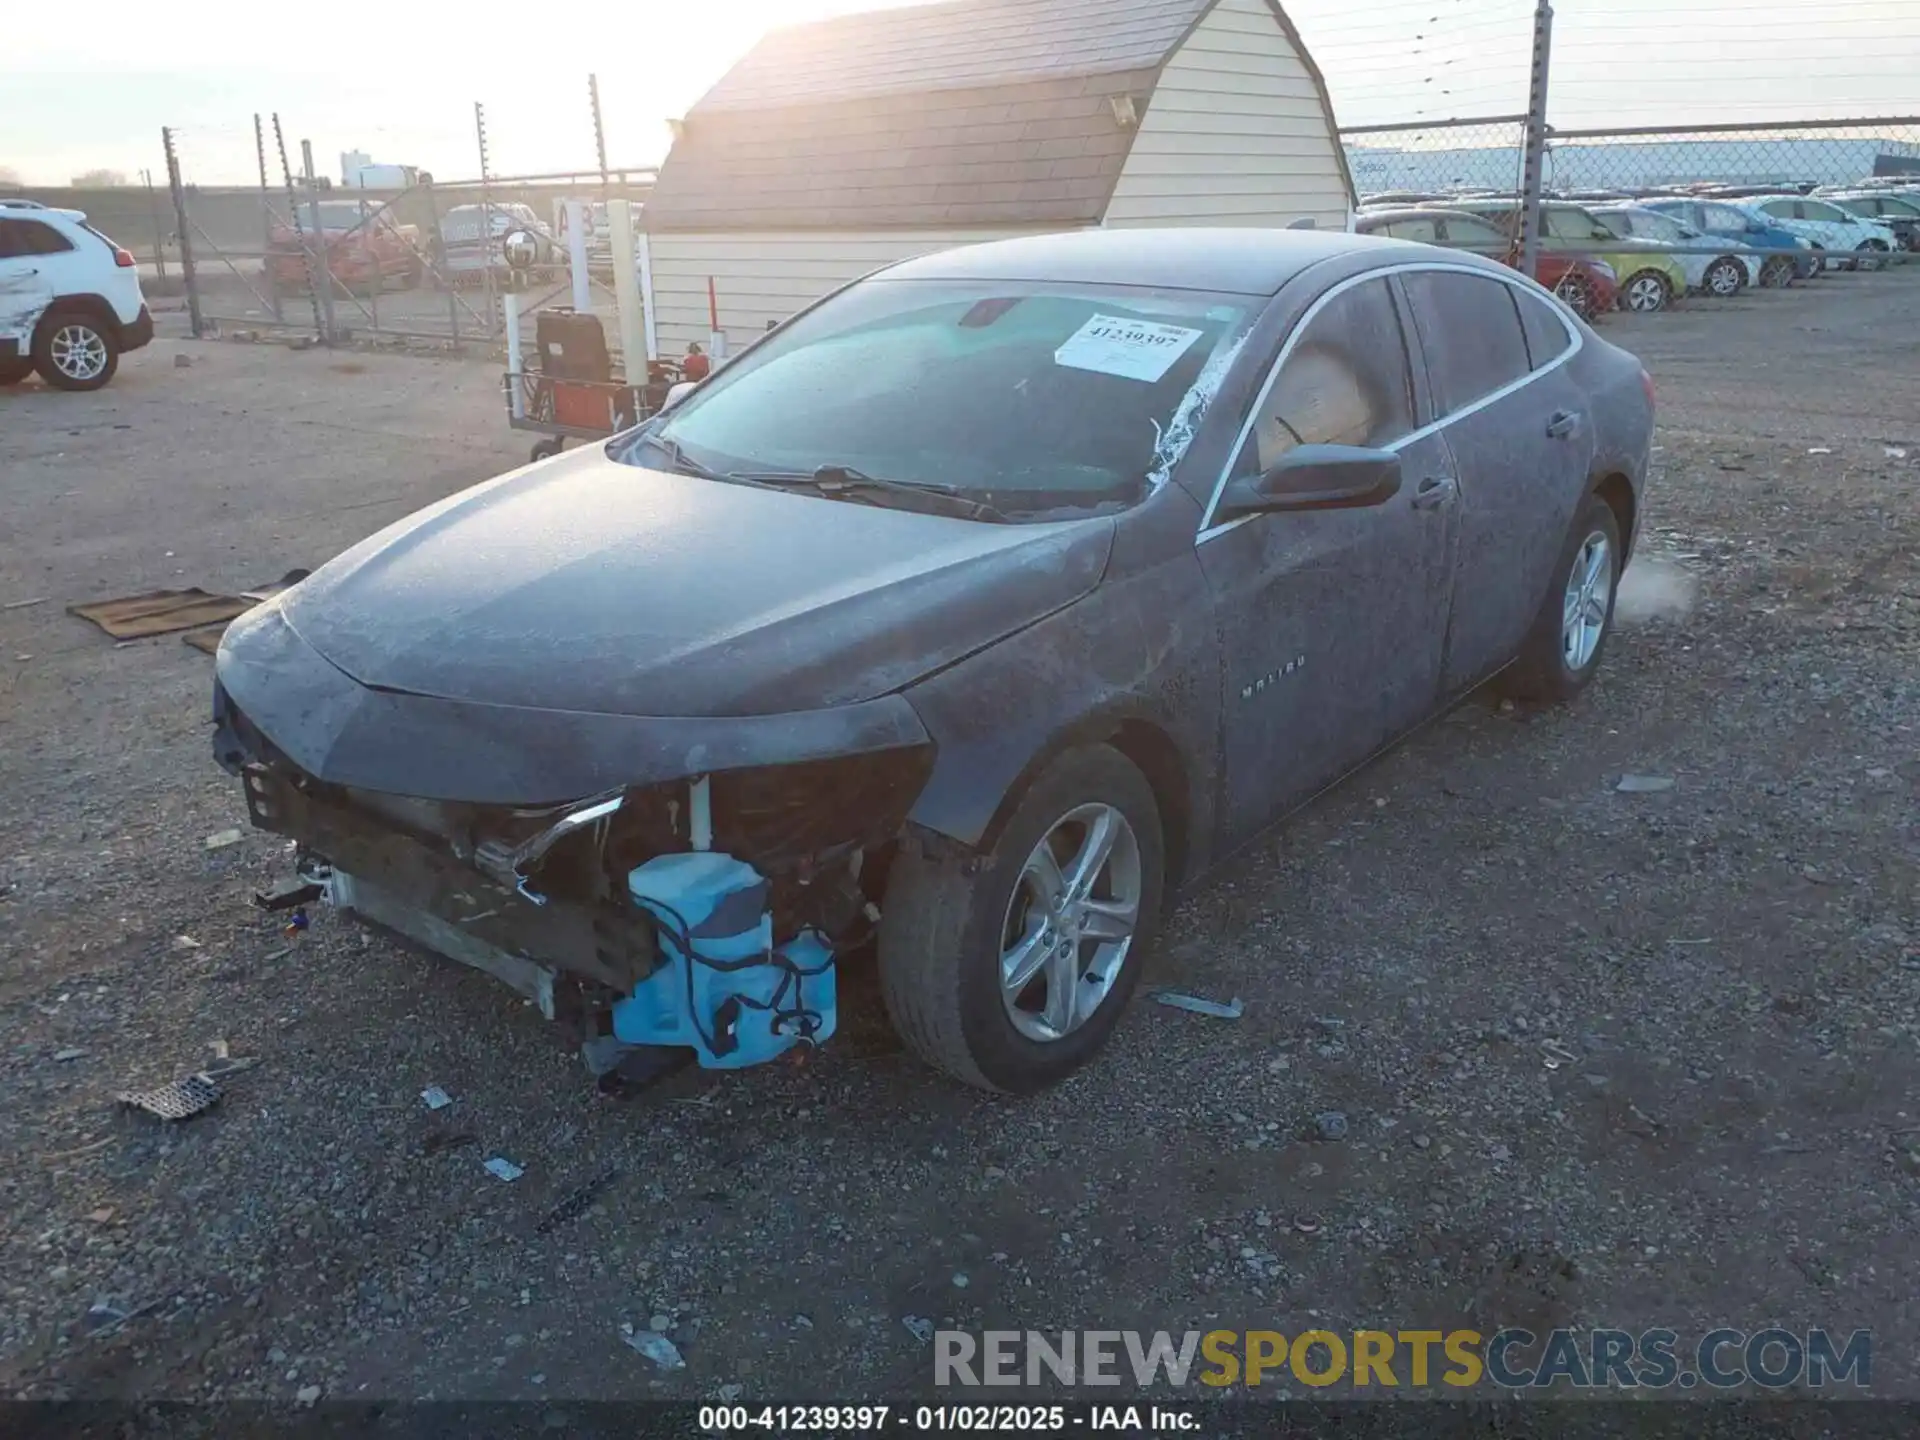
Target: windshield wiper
(681, 462)
(842, 480)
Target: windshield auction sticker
(1134, 349)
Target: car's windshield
(1818, 210)
(1619, 225)
(1896, 208)
(1030, 396)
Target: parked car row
(1645, 251)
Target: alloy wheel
(78, 352)
(1587, 601)
(1646, 293)
(1070, 922)
(1724, 277)
(1573, 289)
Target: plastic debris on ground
(1644, 784)
(177, 1100)
(575, 1203)
(185, 942)
(504, 1169)
(919, 1327)
(72, 1053)
(1330, 1125)
(436, 1098)
(1895, 452)
(655, 1346)
(222, 839)
(1231, 1010)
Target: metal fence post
(437, 248)
(266, 218)
(159, 226)
(1534, 161)
(186, 239)
(486, 213)
(320, 268)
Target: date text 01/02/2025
(993, 1419)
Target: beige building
(835, 148)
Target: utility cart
(574, 394)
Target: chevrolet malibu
(957, 622)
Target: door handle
(1434, 491)
(1563, 424)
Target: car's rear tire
(1777, 273)
(1646, 292)
(1564, 648)
(958, 931)
(13, 371)
(74, 349)
(1873, 254)
(1725, 277)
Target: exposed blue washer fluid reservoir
(725, 989)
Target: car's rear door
(1332, 622)
(1520, 438)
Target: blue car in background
(1729, 220)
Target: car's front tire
(76, 350)
(1008, 970)
(1564, 648)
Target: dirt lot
(1727, 973)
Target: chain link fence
(415, 265)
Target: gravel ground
(1605, 1058)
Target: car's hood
(584, 584)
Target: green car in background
(1649, 279)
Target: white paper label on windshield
(1134, 349)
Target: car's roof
(1234, 260)
(1416, 212)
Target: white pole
(700, 814)
(510, 314)
(647, 312)
(626, 293)
(577, 255)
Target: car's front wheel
(1563, 649)
(75, 350)
(1009, 969)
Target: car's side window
(1344, 382)
(30, 237)
(1547, 338)
(1470, 331)
(1422, 230)
(1720, 218)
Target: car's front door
(1331, 621)
(1521, 441)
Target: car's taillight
(123, 258)
(1646, 384)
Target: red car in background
(1588, 286)
(365, 246)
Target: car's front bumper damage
(549, 848)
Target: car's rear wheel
(75, 350)
(1645, 292)
(1873, 254)
(1569, 635)
(1726, 276)
(1008, 970)
(1577, 292)
(1777, 273)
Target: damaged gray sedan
(962, 619)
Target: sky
(402, 88)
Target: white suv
(1850, 241)
(70, 300)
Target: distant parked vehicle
(70, 301)
(1649, 280)
(1898, 214)
(1723, 274)
(1735, 222)
(1851, 242)
(1589, 286)
(1398, 197)
(473, 239)
(365, 246)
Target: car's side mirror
(1316, 477)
